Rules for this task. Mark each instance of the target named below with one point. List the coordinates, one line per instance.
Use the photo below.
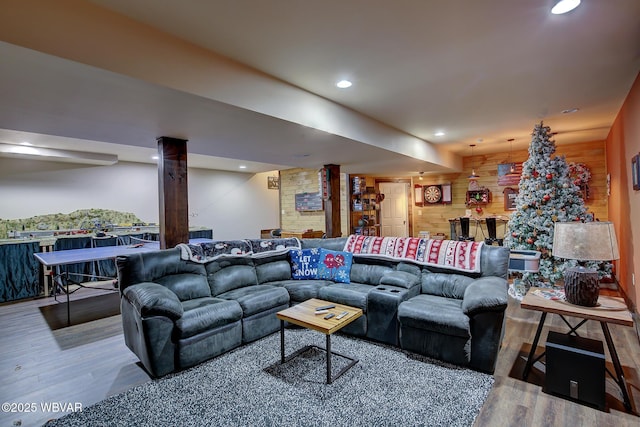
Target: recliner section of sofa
(178, 313)
(170, 319)
(459, 318)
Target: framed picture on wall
(510, 195)
(273, 182)
(635, 171)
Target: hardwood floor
(514, 402)
(88, 362)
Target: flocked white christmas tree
(546, 195)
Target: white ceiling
(481, 71)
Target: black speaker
(575, 369)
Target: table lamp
(584, 241)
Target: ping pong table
(74, 256)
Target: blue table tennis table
(74, 256)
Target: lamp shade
(585, 241)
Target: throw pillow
(304, 263)
(335, 265)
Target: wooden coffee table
(304, 315)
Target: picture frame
(273, 182)
(510, 195)
(635, 171)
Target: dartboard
(432, 194)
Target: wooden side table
(610, 310)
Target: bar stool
(491, 228)
(464, 230)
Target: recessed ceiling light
(439, 133)
(570, 110)
(343, 84)
(242, 167)
(564, 6)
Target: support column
(332, 201)
(173, 191)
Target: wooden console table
(307, 234)
(610, 310)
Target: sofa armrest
(401, 279)
(485, 294)
(150, 299)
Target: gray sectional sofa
(177, 313)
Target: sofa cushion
(401, 279)
(445, 284)
(273, 271)
(257, 298)
(152, 265)
(202, 314)
(334, 265)
(304, 263)
(332, 243)
(353, 294)
(302, 290)
(232, 277)
(409, 268)
(370, 274)
(434, 313)
(494, 261)
(186, 285)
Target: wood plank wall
(435, 218)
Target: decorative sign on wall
(309, 202)
(509, 173)
(510, 195)
(325, 177)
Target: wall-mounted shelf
(478, 197)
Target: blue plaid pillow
(335, 265)
(304, 263)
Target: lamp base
(581, 286)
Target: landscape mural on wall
(82, 219)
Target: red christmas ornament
(549, 176)
(546, 197)
(535, 174)
(514, 234)
(530, 240)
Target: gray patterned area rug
(249, 387)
